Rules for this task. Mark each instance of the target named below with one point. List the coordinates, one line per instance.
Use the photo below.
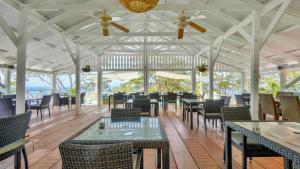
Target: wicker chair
(239, 100)
(82, 99)
(12, 133)
(101, 156)
(140, 97)
(6, 107)
(226, 100)
(60, 101)
(290, 108)
(212, 110)
(116, 112)
(253, 149)
(44, 104)
(144, 105)
(172, 98)
(119, 99)
(246, 99)
(268, 106)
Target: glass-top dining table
(281, 137)
(142, 132)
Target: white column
(7, 80)
(193, 80)
(283, 78)
(53, 83)
(99, 86)
(244, 82)
(254, 53)
(77, 67)
(21, 59)
(211, 72)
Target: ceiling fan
(185, 20)
(105, 21)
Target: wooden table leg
(228, 148)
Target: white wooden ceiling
(51, 20)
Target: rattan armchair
(12, 134)
(172, 98)
(103, 156)
(60, 101)
(226, 100)
(268, 106)
(290, 108)
(42, 105)
(144, 105)
(119, 98)
(252, 149)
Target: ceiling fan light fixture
(139, 6)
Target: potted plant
(87, 68)
(202, 68)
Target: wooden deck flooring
(189, 149)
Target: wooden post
(53, 83)
(21, 59)
(99, 86)
(77, 67)
(7, 80)
(283, 78)
(255, 48)
(244, 82)
(211, 72)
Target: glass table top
(107, 128)
(286, 134)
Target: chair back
(140, 97)
(143, 104)
(279, 94)
(239, 99)
(119, 97)
(154, 95)
(246, 98)
(12, 96)
(82, 98)
(226, 100)
(235, 113)
(189, 96)
(135, 112)
(290, 108)
(172, 96)
(55, 99)
(13, 128)
(46, 100)
(267, 104)
(213, 106)
(6, 107)
(100, 156)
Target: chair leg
(41, 113)
(198, 119)
(49, 110)
(17, 163)
(204, 120)
(25, 158)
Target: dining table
(188, 104)
(283, 137)
(155, 102)
(142, 132)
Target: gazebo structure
(54, 36)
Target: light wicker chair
(12, 134)
(290, 108)
(135, 112)
(100, 156)
(268, 106)
(252, 149)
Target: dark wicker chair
(119, 98)
(211, 110)
(144, 105)
(226, 100)
(12, 137)
(42, 105)
(135, 112)
(140, 97)
(6, 107)
(239, 100)
(102, 156)
(82, 99)
(253, 149)
(12, 96)
(246, 99)
(60, 101)
(172, 98)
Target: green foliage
(269, 85)
(226, 83)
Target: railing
(34, 94)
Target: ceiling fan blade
(180, 33)
(122, 28)
(105, 32)
(197, 27)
